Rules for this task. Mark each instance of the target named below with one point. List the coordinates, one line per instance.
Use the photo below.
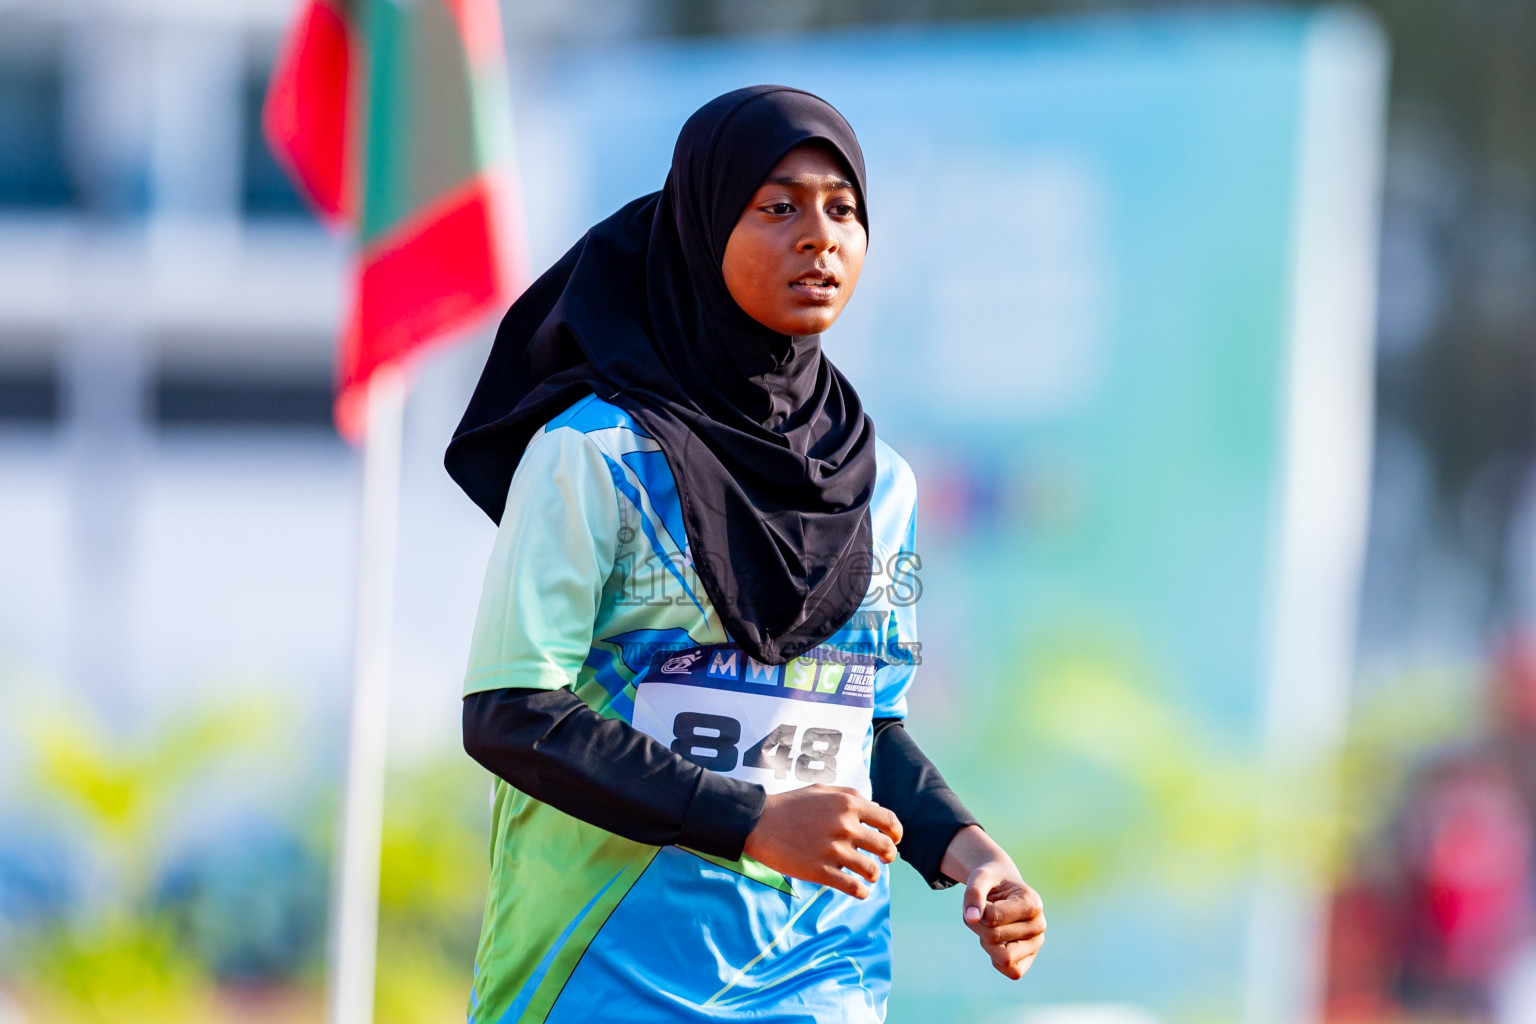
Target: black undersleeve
(551, 745)
(905, 781)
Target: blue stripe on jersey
(606, 672)
(817, 955)
(591, 413)
(660, 485)
(531, 986)
(639, 646)
(648, 528)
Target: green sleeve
(554, 550)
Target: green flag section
(392, 116)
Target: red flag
(393, 118)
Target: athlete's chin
(807, 319)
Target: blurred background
(1229, 572)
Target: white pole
(1323, 505)
(355, 894)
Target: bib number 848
(710, 741)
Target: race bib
(780, 726)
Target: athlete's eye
(842, 208)
(778, 209)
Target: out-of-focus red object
(1470, 859)
(1361, 956)
(305, 116)
(1433, 922)
(393, 120)
(1514, 686)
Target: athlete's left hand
(1004, 912)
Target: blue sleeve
(554, 551)
(899, 645)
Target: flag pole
(355, 893)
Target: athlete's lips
(817, 285)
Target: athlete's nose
(819, 236)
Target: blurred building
(160, 283)
(138, 200)
(168, 316)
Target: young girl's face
(794, 256)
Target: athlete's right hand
(813, 833)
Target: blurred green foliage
(114, 954)
(431, 889)
(229, 925)
(123, 792)
(1142, 788)
(1149, 792)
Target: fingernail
(972, 915)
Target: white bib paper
(780, 726)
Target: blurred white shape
(1320, 531)
(195, 144)
(1514, 993)
(10, 1011)
(1029, 308)
(1083, 1013)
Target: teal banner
(1116, 313)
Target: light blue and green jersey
(589, 583)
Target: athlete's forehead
(731, 144)
(829, 182)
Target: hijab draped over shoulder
(773, 454)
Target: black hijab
(773, 455)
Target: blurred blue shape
(39, 883)
(250, 902)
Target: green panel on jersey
(750, 869)
(521, 972)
